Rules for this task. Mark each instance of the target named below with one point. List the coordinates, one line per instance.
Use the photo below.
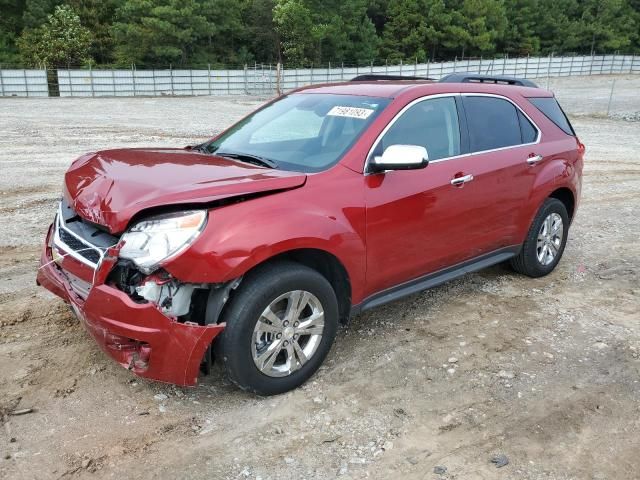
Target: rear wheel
(545, 241)
(280, 326)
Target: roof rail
(375, 77)
(479, 78)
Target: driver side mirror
(401, 157)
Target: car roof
(393, 88)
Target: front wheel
(545, 241)
(280, 326)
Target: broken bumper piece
(137, 335)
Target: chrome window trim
(469, 154)
(58, 241)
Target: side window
(432, 124)
(551, 108)
(493, 123)
(529, 132)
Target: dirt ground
(545, 371)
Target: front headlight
(154, 240)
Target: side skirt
(434, 279)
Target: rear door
(503, 143)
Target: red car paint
(385, 229)
(110, 187)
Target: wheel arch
(566, 196)
(325, 263)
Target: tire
(243, 343)
(528, 261)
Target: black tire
(257, 290)
(526, 262)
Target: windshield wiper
(246, 157)
(202, 148)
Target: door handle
(535, 159)
(461, 180)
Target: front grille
(80, 239)
(78, 246)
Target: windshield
(301, 132)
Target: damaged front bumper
(137, 335)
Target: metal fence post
(2, 82)
(171, 77)
(155, 89)
(93, 93)
(26, 84)
(571, 66)
(277, 79)
(133, 79)
(613, 62)
(68, 80)
(613, 84)
(209, 77)
(246, 91)
(427, 67)
(328, 73)
(113, 81)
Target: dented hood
(109, 187)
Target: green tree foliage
(97, 16)
(10, 28)
(405, 33)
(520, 37)
(148, 32)
(298, 34)
(263, 39)
(313, 32)
(36, 12)
(607, 25)
(61, 41)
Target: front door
(417, 219)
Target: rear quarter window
(551, 109)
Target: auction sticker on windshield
(351, 112)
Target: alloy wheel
(549, 239)
(288, 333)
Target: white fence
(269, 79)
(97, 83)
(23, 83)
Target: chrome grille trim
(71, 251)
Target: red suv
(252, 247)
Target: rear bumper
(136, 335)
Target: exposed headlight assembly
(153, 241)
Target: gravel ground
(544, 373)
